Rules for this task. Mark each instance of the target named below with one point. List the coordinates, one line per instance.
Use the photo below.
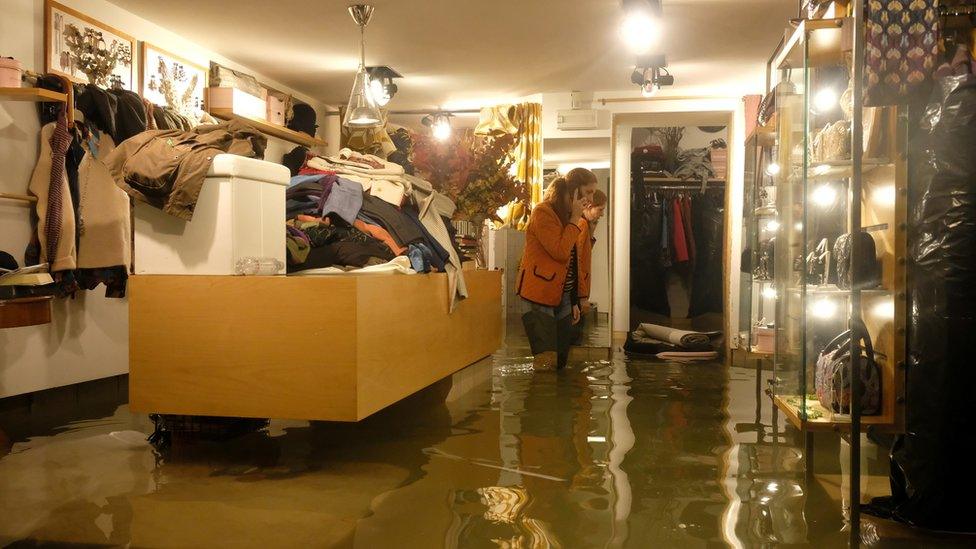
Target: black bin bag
(933, 465)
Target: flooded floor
(612, 453)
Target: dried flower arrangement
(93, 56)
(167, 86)
(473, 171)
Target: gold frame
(49, 6)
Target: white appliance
(577, 119)
(240, 213)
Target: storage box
(239, 102)
(764, 339)
(240, 213)
(10, 72)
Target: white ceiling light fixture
(641, 27)
(362, 111)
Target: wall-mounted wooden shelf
(827, 421)
(36, 95)
(273, 130)
(824, 40)
(27, 311)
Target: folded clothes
(345, 200)
(397, 265)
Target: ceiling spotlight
(649, 89)
(362, 112)
(641, 26)
(381, 84)
(440, 125)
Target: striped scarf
(60, 141)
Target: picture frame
(70, 36)
(168, 80)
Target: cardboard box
(239, 102)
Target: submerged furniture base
(333, 348)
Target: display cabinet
(840, 237)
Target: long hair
(567, 186)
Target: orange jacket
(545, 261)
(584, 251)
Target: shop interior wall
(88, 338)
(692, 112)
(600, 262)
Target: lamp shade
(362, 112)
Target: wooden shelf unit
(25, 311)
(826, 422)
(273, 130)
(36, 95)
(826, 37)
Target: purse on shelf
(832, 377)
(833, 142)
(818, 265)
(765, 269)
(866, 273)
(767, 107)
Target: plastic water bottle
(260, 266)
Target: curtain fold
(529, 150)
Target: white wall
(88, 338)
(600, 262)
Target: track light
(440, 125)
(381, 84)
(649, 89)
(641, 27)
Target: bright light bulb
(884, 195)
(648, 89)
(378, 92)
(825, 100)
(769, 292)
(823, 309)
(884, 309)
(824, 195)
(441, 130)
(772, 226)
(821, 169)
(640, 31)
(773, 169)
(798, 226)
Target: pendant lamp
(362, 112)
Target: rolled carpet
(682, 338)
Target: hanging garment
(647, 260)
(901, 49)
(678, 233)
(166, 168)
(689, 230)
(104, 229)
(435, 211)
(496, 121)
(55, 212)
(708, 225)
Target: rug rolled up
(682, 338)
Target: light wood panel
(27, 311)
(319, 348)
(37, 95)
(274, 130)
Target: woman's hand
(577, 212)
(576, 314)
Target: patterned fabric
(901, 49)
(60, 141)
(528, 159)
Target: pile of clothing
(353, 211)
(672, 344)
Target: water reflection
(615, 453)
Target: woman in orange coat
(592, 214)
(548, 278)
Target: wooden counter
(318, 348)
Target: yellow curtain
(529, 152)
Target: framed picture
(168, 80)
(86, 50)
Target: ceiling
(456, 53)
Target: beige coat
(104, 239)
(40, 184)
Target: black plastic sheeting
(933, 465)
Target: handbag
(833, 142)
(867, 272)
(767, 107)
(765, 267)
(818, 265)
(832, 377)
(900, 51)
